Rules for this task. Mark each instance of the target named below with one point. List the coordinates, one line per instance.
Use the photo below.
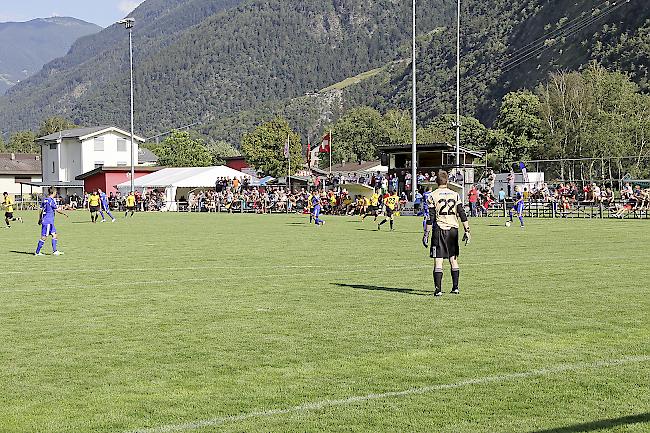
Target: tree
(221, 149)
(264, 148)
(357, 134)
(23, 142)
(54, 124)
(517, 129)
(441, 129)
(180, 149)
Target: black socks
(454, 278)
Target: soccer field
(246, 323)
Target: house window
(121, 163)
(99, 144)
(52, 146)
(121, 145)
(99, 164)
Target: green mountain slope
(233, 63)
(228, 59)
(26, 46)
(509, 45)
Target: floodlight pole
(128, 24)
(458, 89)
(414, 181)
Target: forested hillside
(232, 64)
(216, 62)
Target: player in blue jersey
(518, 206)
(104, 206)
(46, 220)
(316, 206)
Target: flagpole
(289, 158)
(331, 140)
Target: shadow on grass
(600, 424)
(25, 253)
(386, 289)
(297, 224)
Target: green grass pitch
(245, 323)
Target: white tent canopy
(178, 182)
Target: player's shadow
(600, 424)
(386, 289)
(296, 224)
(26, 253)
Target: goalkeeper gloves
(467, 237)
(425, 239)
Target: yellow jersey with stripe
(391, 202)
(8, 204)
(93, 200)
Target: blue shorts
(47, 229)
(317, 210)
(518, 208)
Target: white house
(72, 152)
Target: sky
(100, 12)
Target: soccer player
(310, 199)
(315, 201)
(104, 205)
(8, 204)
(446, 208)
(373, 208)
(46, 220)
(518, 206)
(130, 204)
(392, 205)
(93, 204)
(426, 213)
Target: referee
(445, 209)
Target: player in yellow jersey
(373, 207)
(93, 205)
(391, 204)
(130, 204)
(310, 198)
(445, 210)
(8, 204)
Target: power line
(525, 53)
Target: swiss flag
(325, 146)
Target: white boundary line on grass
(239, 267)
(319, 405)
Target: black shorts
(444, 243)
(371, 208)
(94, 209)
(130, 208)
(9, 215)
(389, 212)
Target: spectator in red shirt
(473, 199)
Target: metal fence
(584, 210)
